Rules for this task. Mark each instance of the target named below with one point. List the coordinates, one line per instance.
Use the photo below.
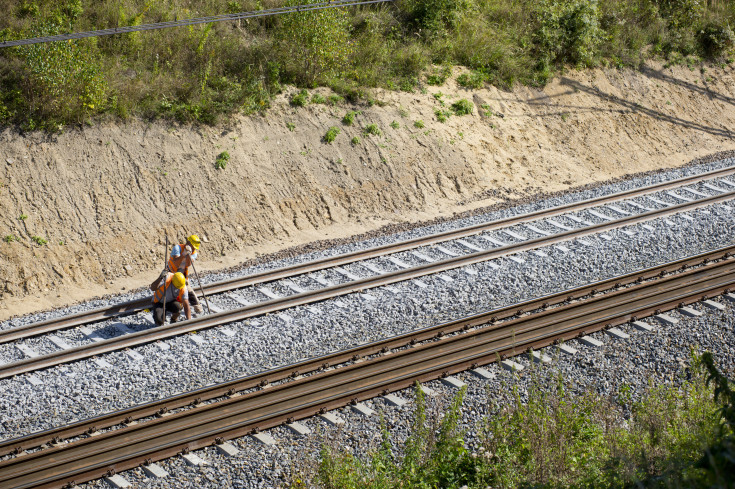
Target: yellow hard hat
(179, 280)
(194, 240)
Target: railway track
(356, 284)
(425, 355)
(131, 307)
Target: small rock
(9, 161)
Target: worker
(182, 257)
(174, 289)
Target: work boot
(174, 317)
(198, 309)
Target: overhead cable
(185, 22)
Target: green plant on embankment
(675, 436)
(222, 159)
(198, 73)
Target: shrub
(222, 159)
(331, 134)
(355, 141)
(419, 124)
(349, 118)
(318, 99)
(569, 31)
(430, 17)
(372, 129)
(463, 107)
(300, 99)
(64, 80)
(313, 45)
(395, 125)
(715, 39)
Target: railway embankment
(85, 210)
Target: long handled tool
(165, 282)
(200, 287)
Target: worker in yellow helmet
(182, 256)
(174, 289)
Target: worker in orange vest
(174, 288)
(182, 257)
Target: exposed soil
(105, 196)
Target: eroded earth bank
(104, 196)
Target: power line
(182, 23)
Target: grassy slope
(202, 72)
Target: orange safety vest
(158, 296)
(174, 263)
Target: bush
(395, 125)
(419, 124)
(313, 45)
(331, 134)
(355, 141)
(318, 99)
(300, 99)
(715, 39)
(64, 80)
(569, 31)
(463, 107)
(431, 17)
(222, 159)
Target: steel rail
(275, 305)
(193, 398)
(137, 305)
(178, 433)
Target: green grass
(10, 238)
(672, 436)
(198, 74)
(291, 126)
(419, 124)
(331, 134)
(222, 159)
(22, 217)
(395, 125)
(318, 99)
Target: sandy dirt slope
(104, 196)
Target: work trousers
(174, 307)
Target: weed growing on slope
(419, 124)
(372, 129)
(300, 99)
(222, 159)
(463, 107)
(349, 118)
(331, 134)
